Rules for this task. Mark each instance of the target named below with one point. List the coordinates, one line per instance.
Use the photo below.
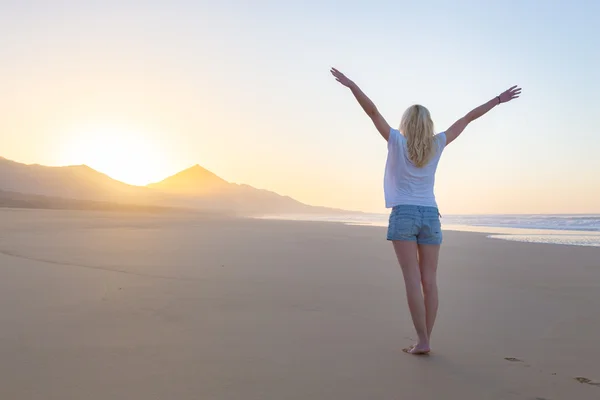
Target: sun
(121, 152)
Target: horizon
(246, 94)
(312, 205)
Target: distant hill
(76, 182)
(192, 181)
(205, 189)
(195, 188)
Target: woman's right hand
(510, 94)
(341, 78)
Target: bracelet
(499, 101)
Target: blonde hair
(417, 127)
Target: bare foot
(417, 350)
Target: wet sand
(99, 305)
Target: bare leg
(406, 252)
(428, 261)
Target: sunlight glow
(121, 152)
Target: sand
(97, 305)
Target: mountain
(195, 188)
(204, 189)
(76, 182)
(192, 181)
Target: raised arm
(456, 129)
(367, 105)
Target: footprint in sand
(581, 379)
(517, 360)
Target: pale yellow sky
(247, 95)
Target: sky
(142, 91)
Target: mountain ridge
(195, 179)
(195, 188)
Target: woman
(414, 225)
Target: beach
(109, 305)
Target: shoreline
(582, 238)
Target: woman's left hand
(509, 94)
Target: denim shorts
(416, 224)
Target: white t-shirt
(404, 183)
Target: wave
(589, 223)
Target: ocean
(575, 229)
